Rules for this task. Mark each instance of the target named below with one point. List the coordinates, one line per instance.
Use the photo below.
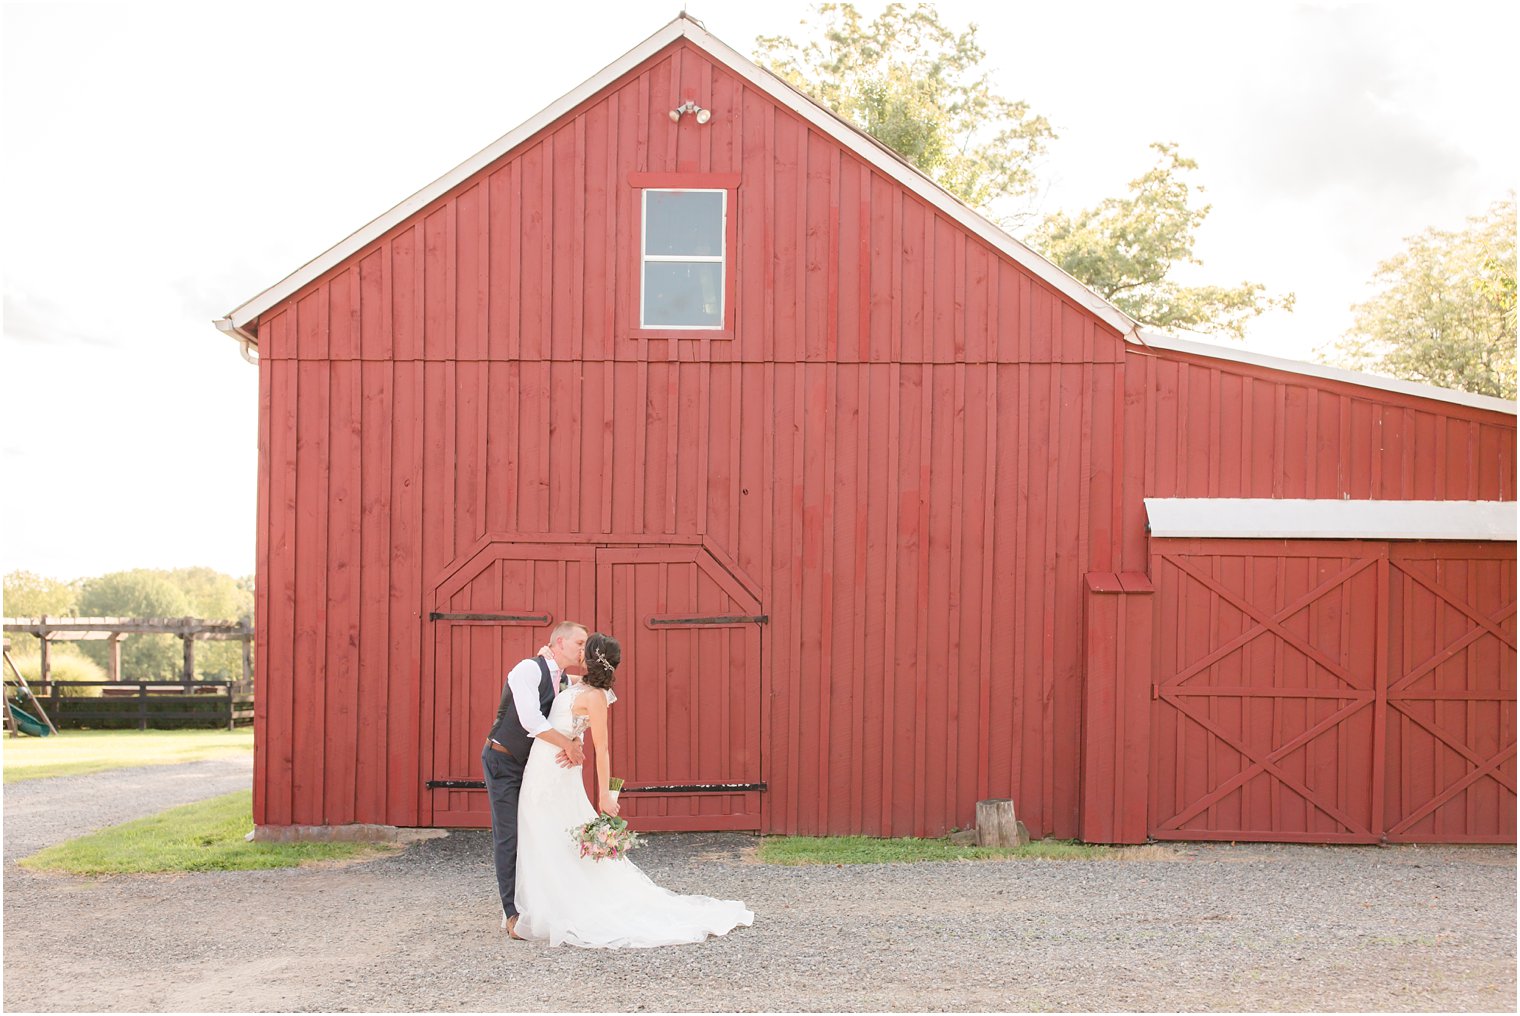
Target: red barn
(890, 513)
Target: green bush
(62, 666)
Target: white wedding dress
(566, 899)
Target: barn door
(492, 611)
(1451, 694)
(686, 729)
(1265, 691)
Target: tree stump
(997, 826)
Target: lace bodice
(563, 719)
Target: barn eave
(1319, 370)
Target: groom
(521, 717)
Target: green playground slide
(26, 722)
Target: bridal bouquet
(605, 836)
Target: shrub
(62, 666)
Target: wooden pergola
(89, 629)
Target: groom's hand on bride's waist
(572, 756)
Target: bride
(564, 898)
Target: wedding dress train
(563, 898)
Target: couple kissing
(550, 891)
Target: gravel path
(39, 813)
(1223, 927)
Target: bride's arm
(596, 711)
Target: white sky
(164, 162)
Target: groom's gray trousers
(504, 776)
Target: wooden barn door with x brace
(1323, 691)
(686, 729)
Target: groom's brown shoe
(510, 923)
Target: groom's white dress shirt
(523, 680)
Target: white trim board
(1255, 518)
(1320, 370)
(862, 144)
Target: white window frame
(720, 259)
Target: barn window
(684, 255)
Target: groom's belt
(494, 746)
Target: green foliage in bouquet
(604, 837)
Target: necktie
(564, 680)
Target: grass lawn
(205, 836)
(795, 850)
(74, 752)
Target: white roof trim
(1320, 370)
(857, 141)
(1329, 519)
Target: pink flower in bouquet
(604, 837)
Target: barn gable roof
(868, 148)
(872, 151)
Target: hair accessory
(602, 659)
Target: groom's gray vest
(508, 730)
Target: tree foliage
(215, 596)
(30, 595)
(137, 593)
(1125, 249)
(183, 592)
(1445, 310)
(919, 88)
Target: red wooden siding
(1195, 427)
(1118, 628)
(909, 454)
(909, 667)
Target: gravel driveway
(1180, 928)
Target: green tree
(1445, 311)
(30, 595)
(138, 593)
(919, 88)
(1125, 249)
(215, 596)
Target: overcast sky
(164, 162)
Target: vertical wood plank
(341, 663)
(377, 416)
(313, 467)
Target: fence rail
(147, 703)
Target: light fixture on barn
(689, 106)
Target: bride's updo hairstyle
(603, 654)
